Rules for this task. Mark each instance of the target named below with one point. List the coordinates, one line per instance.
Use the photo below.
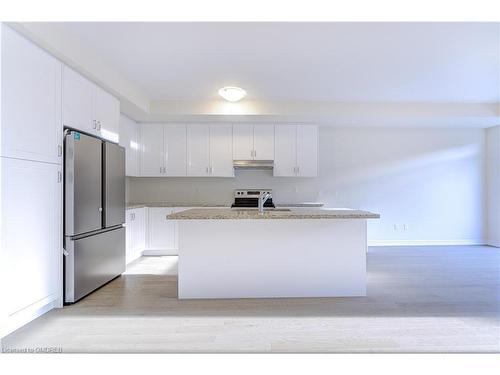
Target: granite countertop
(242, 214)
(210, 205)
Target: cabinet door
(78, 102)
(197, 149)
(263, 142)
(221, 151)
(161, 230)
(242, 142)
(175, 149)
(140, 222)
(307, 151)
(31, 238)
(107, 114)
(31, 101)
(129, 235)
(129, 138)
(152, 154)
(285, 147)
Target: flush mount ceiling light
(232, 94)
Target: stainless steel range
(250, 198)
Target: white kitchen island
(228, 253)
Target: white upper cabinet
(89, 108)
(307, 151)
(263, 142)
(285, 150)
(163, 150)
(296, 151)
(78, 102)
(221, 149)
(253, 142)
(198, 146)
(242, 142)
(129, 138)
(175, 149)
(31, 101)
(152, 152)
(107, 114)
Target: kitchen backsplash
(219, 190)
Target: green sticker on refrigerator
(76, 136)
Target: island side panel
(272, 258)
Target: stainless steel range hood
(262, 165)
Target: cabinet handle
(99, 125)
(211, 170)
(206, 169)
(298, 170)
(59, 150)
(59, 176)
(255, 153)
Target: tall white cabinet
(296, 151)
(31, 101)
(30, 181)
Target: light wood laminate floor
(420, 299)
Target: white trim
(427, 242)
(159, 252)
(495, 243)
(26, 315)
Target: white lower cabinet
(136, 233)
(30, 240)
(149, 232)
(162, 236)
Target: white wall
(493, 184)
(432, 180)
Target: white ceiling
(338, 62)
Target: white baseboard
(159, 252)
(426, 242)
(23, 317)
(495, 243)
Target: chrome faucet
(262, 200)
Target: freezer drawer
(83, 183)
(93, 261)
(114, 183)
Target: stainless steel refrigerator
(94, 211)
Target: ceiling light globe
(232, 94)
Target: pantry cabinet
(31, 101)
(253, 142)
(30, 239)
(87, 107)
(296, 151)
